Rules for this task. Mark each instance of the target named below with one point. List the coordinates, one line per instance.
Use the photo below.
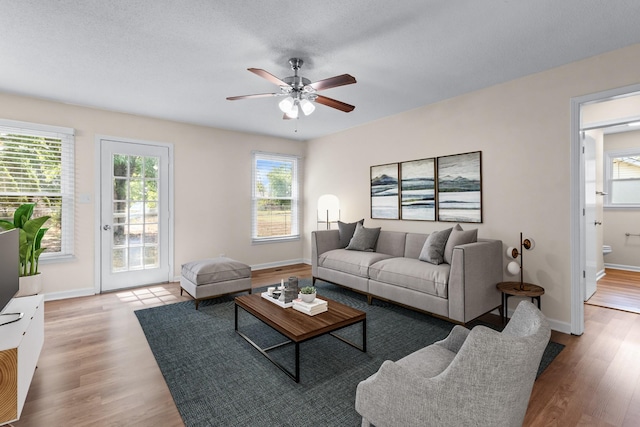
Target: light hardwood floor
(96, 368)
(618, 289)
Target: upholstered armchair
(477, 377)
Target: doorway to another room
(609, 257)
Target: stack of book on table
(311, 308)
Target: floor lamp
(328, 209)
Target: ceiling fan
(300, 93)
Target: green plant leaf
(32, 226)
(39, 237)
(23, 214)
(31, 234)
(6, 225)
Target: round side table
(512, 289)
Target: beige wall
(212, 187)
(618, 109)
(617, 222)
(522, 128)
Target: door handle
(106, 227)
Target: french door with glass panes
(134, 214)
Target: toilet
(606, 249)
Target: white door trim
(97, 207)
(578, 262)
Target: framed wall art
(417, 190)
(385, 192)
(460, 187)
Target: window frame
(295, 197)
(609, 156)
(67, 180)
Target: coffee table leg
(297, 377)
(362, 347)
(364, 335)
(294, 376)
(236, 316)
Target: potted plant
(31, 233)
(308, 294)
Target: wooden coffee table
(299, 327)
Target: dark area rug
(217, 379)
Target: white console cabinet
(20, 346)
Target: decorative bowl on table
(307, 297)
(307, 294)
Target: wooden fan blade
(344, 79)
(267, 75)
(285, 117)
(338, 105)
(257, 95)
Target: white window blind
(36, 166)
(274, 197)
(622, 176)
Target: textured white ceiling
(179, 60)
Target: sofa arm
(476, 268)
(321, 242)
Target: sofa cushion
(364, 239)
(458, 237)
(414, 244)
(351, 262)
(392, 243)
(346, 231)
(412, 274)
(433, 249)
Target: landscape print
(384, 191)
(460, 188)
(417, 185)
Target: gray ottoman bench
(214, 277)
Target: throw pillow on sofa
(457, 237)
(346, 231)
(433, 249)
(364, 239)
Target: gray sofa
(460, 291)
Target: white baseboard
(276, 264)
(622, 267)
(600, 274)
(76, 293)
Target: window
(622, 178)
(275, 197)
(36, 166)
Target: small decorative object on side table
(520, 289)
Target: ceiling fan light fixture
(293, 112)
(307, 107)
(286, 105)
